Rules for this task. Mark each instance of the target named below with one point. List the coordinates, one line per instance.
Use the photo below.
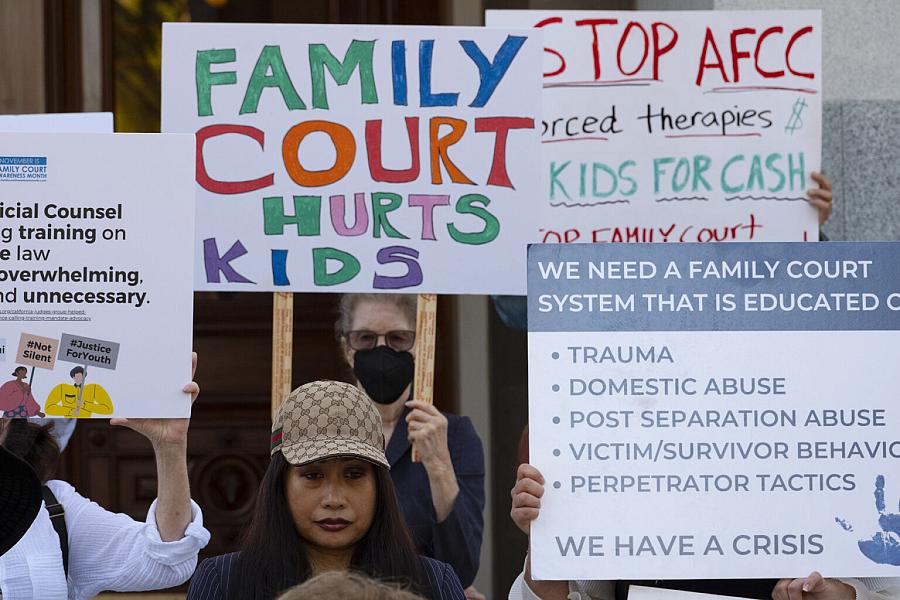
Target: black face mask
(383, 372)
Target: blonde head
(340, 585)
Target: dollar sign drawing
(795, 122)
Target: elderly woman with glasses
(442, 499)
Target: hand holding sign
(428, 431)
(165, 432)
(821, 197)
(526, 506)
(526, 497)
(814, 587)
(428, 434)
(169, 439)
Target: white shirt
(107, 552)
(884, 588)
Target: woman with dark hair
(326, 503)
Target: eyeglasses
(401, 341)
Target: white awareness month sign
(358, 159)
(715, 411)
(685, 126)
(96, 308)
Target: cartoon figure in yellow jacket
(63, 399)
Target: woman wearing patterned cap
(326, 503)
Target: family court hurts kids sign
(685, 126)
(354, 158)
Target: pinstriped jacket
(210, 581)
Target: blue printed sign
(23, 168)
(715, 411)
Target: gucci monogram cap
(327, 419)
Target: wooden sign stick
(282, 347)
(426, 329)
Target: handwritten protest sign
(93, 270)
(685, 126)
(715, 410)
(346, 158)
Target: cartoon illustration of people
(16, 399)
(63, 399)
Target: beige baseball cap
(326, 419)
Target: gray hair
(349, 302)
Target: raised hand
(428, 431)
(526, 497)
(473, 594)
(821, 197)
(814, 587)
(165, 432)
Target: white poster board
(95, 276)
(715, 411)
(358, 159)
(683, 126)
(640, 592)
(101, 122)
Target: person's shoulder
(452, 417)
(428, 561)
(64, 491)
(74, 506)
(442, 579)
(435, 570)
(462, 425)
(220, 564)
(210, 578)
(462, 436)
